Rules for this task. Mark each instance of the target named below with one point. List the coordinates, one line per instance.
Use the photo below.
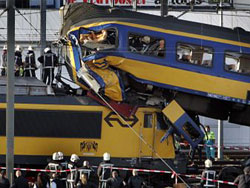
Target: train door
(147, 133)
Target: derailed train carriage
(204, 68)
(184, 68)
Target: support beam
(164, 8)
(220, 140)
(42, 28)
(10, 89)
(134, 5)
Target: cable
(140, 137)
(26, 20)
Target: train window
(147, 45)
(194, 54)
(101, 40)
(191, 131)
(237, 62)
(148, 121)
(161, 123)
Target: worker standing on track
(104, 170)
(73, 177)
(209, 142)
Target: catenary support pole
(164, 8)
(10, 89)
(220, 122)
(134, 5)
(42, 27)
(220, 140)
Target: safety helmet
(106, 156)
(146, 39)
(74, 158)
(18, 48)
(30, 48)
(85, 163)
(4, 47)
(60, 155)
(208, 163)
(46, 50)
(55, 156)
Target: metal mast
(10, 88)
(42, 27)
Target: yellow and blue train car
(77, 124)
(205, 68)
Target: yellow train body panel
(120, 142)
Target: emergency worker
(18, 61)
(30, 63)
(48, 60)
(186, 56)
(135, 181)
(64, 165)
(57, 164)
(54, 164)
(89, 171)
(208, 173)
(104, 170)
(209, 141)
(4, 61)
(72, 175)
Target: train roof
(84, 13)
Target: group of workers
(71, 174)
(28, 67)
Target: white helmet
(208, 163)
(85, 163)
(74, 158)
(18, 48)
(106, 156)
(46, 50)
(30, 48)
(4, 47)
(55, 156)
(60, 155)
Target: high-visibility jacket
(209, 136)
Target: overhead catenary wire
(27, 20)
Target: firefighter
(18, 61)
(4, 61)
(104, 170)
(73, 177)
(49, 61)
(64, 165)
(208, 173)
(30, 63)
(54, 164)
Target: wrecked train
(139, 58)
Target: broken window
(237, 62)
(145, 44)
(191, 131)
(98, 40)
(148, 121)
(162, 124)
(194, 54)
